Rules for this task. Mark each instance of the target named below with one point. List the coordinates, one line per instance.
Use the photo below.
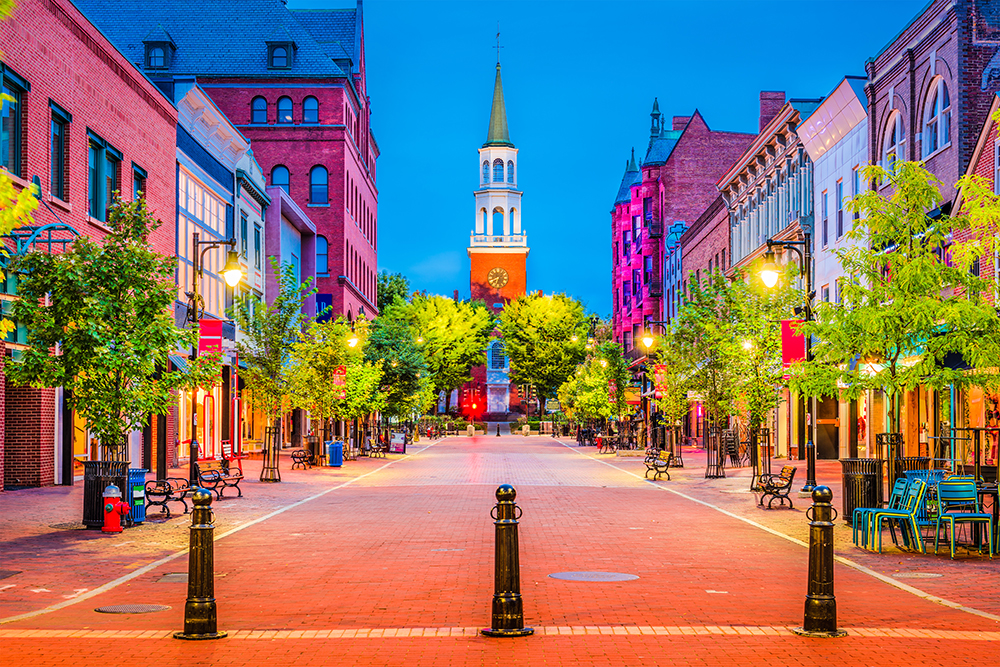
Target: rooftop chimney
(680, 122)
(770, 104)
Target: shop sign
(660, 378)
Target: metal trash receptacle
(96, 477)
(334, 454)
(862, 485)
(136, 497)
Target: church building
(498, 252)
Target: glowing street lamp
(769, 271)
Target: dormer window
(279, 55)
(158, 55)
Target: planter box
(631, 453)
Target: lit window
(895, 141)
(279, 177)
(322, 256)
(284, 110)
(938, 115)
(310, 110)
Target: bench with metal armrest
(163, 491)
(777, 487)
(658, 462)
(216, 475)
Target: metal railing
(505, 240)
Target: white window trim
(933, 123)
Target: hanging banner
(793, 344)
(612, 391)
(660, 378)
(632, 396)
(340, 382)
(209, 337)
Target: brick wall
(771, 102)
(66, 60)
(3, 422)
(707, 241)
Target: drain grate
(915, 575)
(131, 609)
(173, 577)
(593, 576)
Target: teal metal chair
(862, 515)
(956, 497)
(906, 515)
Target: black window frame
(58, 185)
(99, 198)
(287, 185)
(139, 178)
(253, 111)
(16, 86)
(291, 110)
(288, 51)
(151, 50)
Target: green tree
(906, 310)
(596, 390)
(404, 369)
(452, 335)
(270, 331)
(391, 287)
(544, 338)
(673, 401)
(107, 310)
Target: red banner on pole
(210, 337)
(660, 378)
(793, 344)
(612, 391)
(340, 381)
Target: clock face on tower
(497, 277)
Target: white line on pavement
(166, 559)
(840, 559)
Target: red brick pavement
(410, 545)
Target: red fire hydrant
(114, 509)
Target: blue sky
(579, 81)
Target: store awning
(179, 362)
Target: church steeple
(498, 134)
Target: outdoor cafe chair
(862, 515)
(955, 500)
(906, 515)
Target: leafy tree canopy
(404, 370)
(391, 287)
(596, 390)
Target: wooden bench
(163, 491)
(777, 487)
(658, 462)
(301, 457)
(216, 475)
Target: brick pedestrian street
(389, 562)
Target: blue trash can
(335, 454)
(136, 496)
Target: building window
(317, 185)
(626, 242)
(722, 258)
(244, 235)
(826, 293)
(498, 171)
(826, 222)
(256, 246)
(104, 163)
(138, 182)
(996, 167)
(498, 222)
(836, 291)
(486, 172)
(647, 269)
(840, 208)
(279, 177)
(322, 256)
(279, 57)
(284, 110)
(10, 127)
(856, 186)
(510, 172)
(258, 114)
(310, 110)
(938, 118)
(895, 141)
(57, 157)
(157, 58)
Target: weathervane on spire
(498, 47)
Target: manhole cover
(593, 576)
(131, 609)
(915, 575)
(72, 525)
(173, 577)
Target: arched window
(483, 211)
(284, 110)
(498, 171)
(322, 256)
(498, 220)
(486, 171)
(937, 118)
(258, 112)
(279, 57)
(895, 141)
(157, 58)
(317, 185)
(279, 177)
(310, 110)
(498, 360)
(510, 172)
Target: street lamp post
(769, 275)
(647, 341)
(232, 272)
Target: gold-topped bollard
(820, 618)
(200, 617)
(508, 610)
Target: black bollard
(810, 467)
(498, 430)
(508, 611)
(821, 606)
(200, 618)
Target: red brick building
(85, 122)
(675, 182)
(295, 86)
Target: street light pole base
(208, 635)
(517, 632)
(822, 634)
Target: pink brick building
(296, 87)
(674, 182)
(79, 105)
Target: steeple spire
(498, 134)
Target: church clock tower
(498, 247)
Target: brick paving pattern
(390, 562)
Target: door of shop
(827, 428)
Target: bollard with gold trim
(820, 619)
(508, 610)
(200, 618)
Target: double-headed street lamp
(647, 341)
(232, 272)
(769, 275)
